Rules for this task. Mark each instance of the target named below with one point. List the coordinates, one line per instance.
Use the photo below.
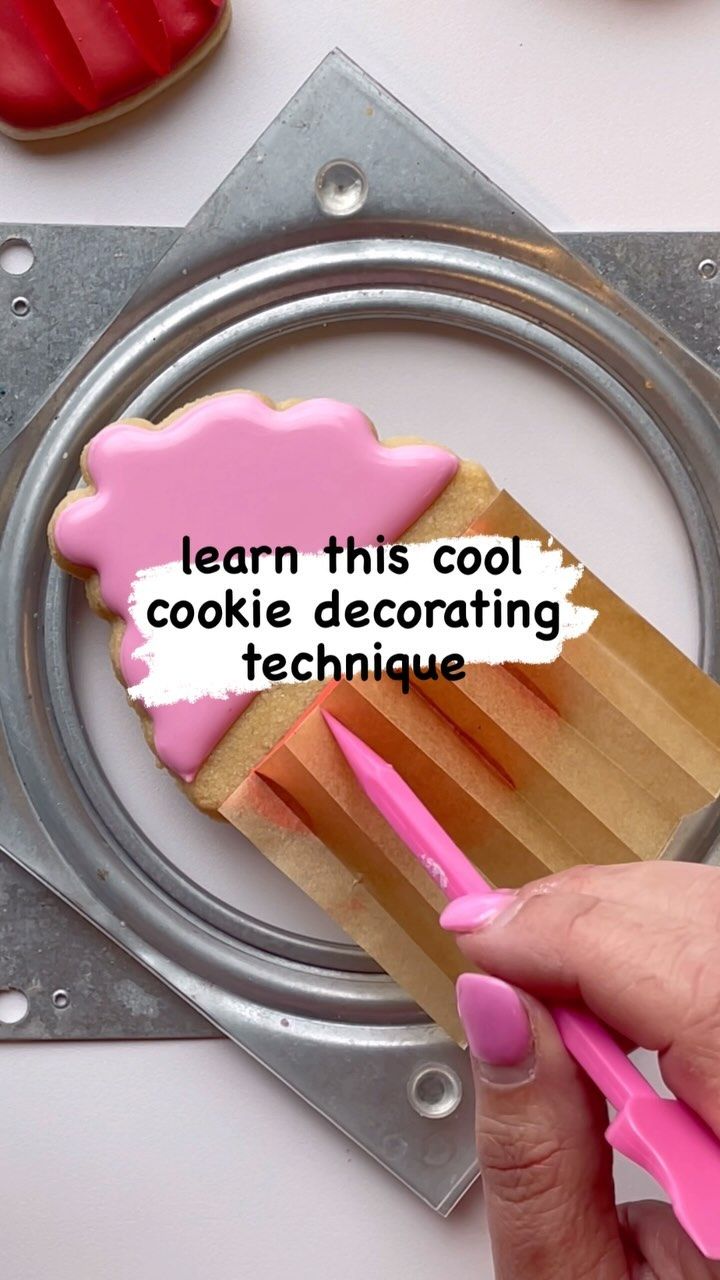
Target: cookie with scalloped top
(237, 469)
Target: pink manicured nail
(464, 915)
(496, 1023)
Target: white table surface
(174, 1161)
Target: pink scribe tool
(661, 1135)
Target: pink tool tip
(407, 815)
(364, 762)
(348, 742)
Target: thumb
(546, 1168)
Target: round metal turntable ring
(155, 363)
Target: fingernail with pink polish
(498, 1028)
(471, 912)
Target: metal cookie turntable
(346, 209)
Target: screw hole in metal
(60, 999)
(708, 268)
(14, 1006)
(20, 306)
(341, 188)
(16, 256)
(434, 1091)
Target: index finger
(687, 891)
(654, 977)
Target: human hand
(639, 945)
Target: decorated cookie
(531, 768)
(67, 64)
(236, 470)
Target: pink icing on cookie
(231, 471)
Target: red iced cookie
(65, 64)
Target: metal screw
(434, 1091)
(341, 188)
(708, 268)
(20, 306)
(60, 998)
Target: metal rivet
(434, 1091)
(60, 998)
(341, 188)
(20, 306)
(14, 1006)
(708, 268)
(16, 256)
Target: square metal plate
(347, 206)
